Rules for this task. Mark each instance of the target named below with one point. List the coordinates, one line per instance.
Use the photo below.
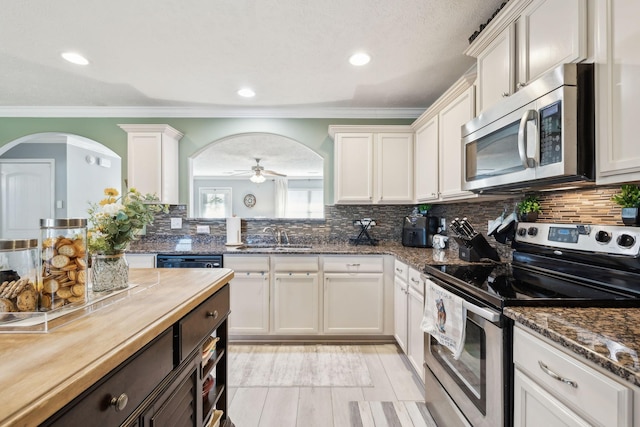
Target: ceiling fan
(258, 173)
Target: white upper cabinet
(152, 160)
(452, 117)
(526, 39)
(426, 162)
(496, 70)
(617, 39)
(438, 145)
(373, 164)
(395, 168)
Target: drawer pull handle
(555, 376)
(414, 280)
(120, 402)
(399, 270)
(353, 265)
(214, 314)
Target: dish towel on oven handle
(445, 318)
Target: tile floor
(395, 398)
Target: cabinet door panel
(249, 303)
(353, 303)
(426, 162)
(415, 336)
(145, 162)
(354, 168)
(618, 91)
(554, 32)
(400, 313)
(296, 303)
(533, 406)
(395, 168)
(496, 70)
(452, 117)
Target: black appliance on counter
(418, 231)
(189, 261)
(553, 265)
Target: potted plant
(424, 208)
(529, 208)
(629, 199)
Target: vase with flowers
(114, 223)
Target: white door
(426, 162)
(395, 168)
(354, 168)
(26, 196)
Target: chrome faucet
(275, 232)
(279, 235)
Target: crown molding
(214, 112)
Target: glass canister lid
(63, 222)
(18, 244)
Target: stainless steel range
(553, 264)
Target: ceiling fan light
(257, 178)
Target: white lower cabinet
(296, 295)
(415, 311)
(353, 303)
(249, 295)
(296, 303)
(400, 312)
(553, 388)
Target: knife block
(476, 249)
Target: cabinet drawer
(416, 281)
(353, 264)
(246, 263)
(148, 367)
(290, 263)
(401, 270)
(196, 326)
(595, 396)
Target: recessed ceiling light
(75, 58)
(359, 59)
(246, 93)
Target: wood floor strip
(314, 407)
(366, 415)
(246, 408)
(402, 413)
(280, 408)
(391, 415)
(341, 401)
(355, 419)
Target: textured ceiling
(198, 53)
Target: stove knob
(522, 232)
(626, 241)
(532, 231)
(603, 236)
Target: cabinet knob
(213, 314)
(505, 94)
(120, 402)
(520, 85)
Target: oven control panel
(609, 239)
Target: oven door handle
(485, 313)
(529, 115)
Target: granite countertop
(417, 258)
(608, 337)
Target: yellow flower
(133, 190)
(111, 192)
(107, 201)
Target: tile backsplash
(589, 206)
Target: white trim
(213, 112)
(333, 129)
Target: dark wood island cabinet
(151, 354)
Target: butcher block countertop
(41, 372)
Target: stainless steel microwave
(540, 136)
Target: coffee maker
(418, 231)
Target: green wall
(198, 132)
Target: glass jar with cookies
(63, 245)
(19, 264)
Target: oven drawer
(593, 395)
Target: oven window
(469, 370)
(494, 154)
